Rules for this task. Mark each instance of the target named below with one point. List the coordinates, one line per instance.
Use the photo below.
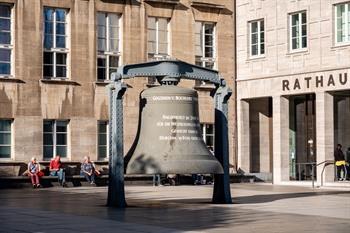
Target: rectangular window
(6, 43)
(257, 38)
(108, 44)
(55, 43)
(205, 50)
(102, 140)
(298, 30)
(157, 40)
(5, 139)
(55, 138)
(342, 23)
(208, 135)
(157, 37)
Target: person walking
(339, 159)
(57, 170)
(33, 171)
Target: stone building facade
(293, 87)
(56, 57)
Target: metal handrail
(313, 166)
(326, 163)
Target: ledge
(172, 2)
(60, 82)
(114, 1)
(11, 80)
(221, 9)
(207, 5)
(152, 85)
(206, 87)
(255, 58)
(103, 83)
(298, 52)
(107, 82)
(340, 46)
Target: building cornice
(171, 2)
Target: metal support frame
(165, 69)
(168, 68)
(222, 192)
(116, 193)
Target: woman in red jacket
(57, 170)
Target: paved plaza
(169, 209)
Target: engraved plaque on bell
(169, 138)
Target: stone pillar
(280, 115)
(243, 135)
(324, 136)
(260, 135)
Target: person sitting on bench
(34, 172)
(57, 170)
(88, 170)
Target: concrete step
(76, 180)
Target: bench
(14, 174)
(71, 181)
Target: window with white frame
(102, 139)
(157, 37)
(157, 40)
(205, 49)
(6, 43)
(55, 43)
(257, 38)
(108, 44)
(298, 30)
(208, 135)
(55, 138)
(342, 23)
(5, 139)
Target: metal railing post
(335, 173)
(312, 174)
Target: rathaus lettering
(318, 81)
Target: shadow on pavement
(179, 214)
(256, 199)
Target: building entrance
(341, 119)
(342, 127)
(302, 137)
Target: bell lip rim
(217, 168)
(177, 173)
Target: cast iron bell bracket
(167, 68)
(168, 72)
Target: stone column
(324, 136)
(243, 135)
(260, 135)
(280, 115)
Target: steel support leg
(222, 192)
(116, 193)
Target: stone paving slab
(256, 208)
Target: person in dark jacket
(339, 159)
(347, 160)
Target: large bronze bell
(169, 138)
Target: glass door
(302, 137)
